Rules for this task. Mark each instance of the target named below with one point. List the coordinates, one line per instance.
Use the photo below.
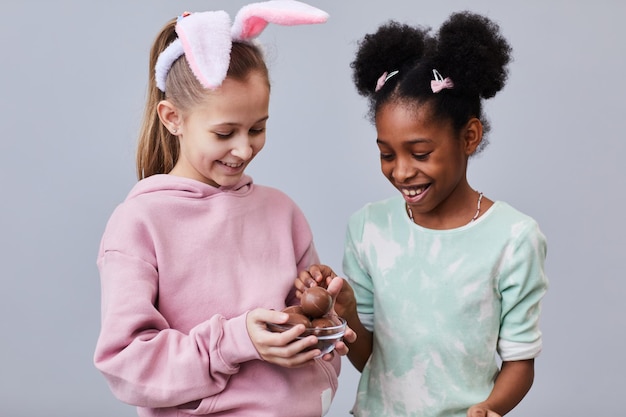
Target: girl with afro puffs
(445, 282)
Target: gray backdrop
(71, 96)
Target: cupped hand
(279, 348)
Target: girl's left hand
(279, 348)
(481, 410)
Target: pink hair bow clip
(206, 38)
(383, 79)
(439, 83)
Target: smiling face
(426, 160)
(219, 137)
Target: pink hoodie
(181, 263)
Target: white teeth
(231, 165)
(412, 192)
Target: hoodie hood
(186, 187)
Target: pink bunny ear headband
(206, 38)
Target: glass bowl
(326, 336)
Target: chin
(229, 182)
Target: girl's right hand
(321, 275)
(317, 275)
(358, 340)
(279, 348)
(481, 410)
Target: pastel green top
(441, 304)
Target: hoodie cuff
(236, 346)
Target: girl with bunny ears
(198, 258)
(442, 279)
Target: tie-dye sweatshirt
(441, 304)
(181, 264)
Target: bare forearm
(361, 349)
(512, 384)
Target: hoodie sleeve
(305, 252)
(145, 361)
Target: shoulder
(378, 209)
(276, 207)
(267, 191)
(377, 216)
(130, 219)
(515, 226)
(139, 199)
(273, 198)
(516, 221)
(140, 208)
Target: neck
(458, 218)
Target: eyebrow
(262, 119)
(411, 141)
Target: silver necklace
(480, 198)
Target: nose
(242, 147)
(403, 170)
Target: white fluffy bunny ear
(253, 18)
(206, 40)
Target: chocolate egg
(333, 318)
(320, 324)
(295, 318)
(293, 309)
(316, 301)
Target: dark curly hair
(468, 49)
